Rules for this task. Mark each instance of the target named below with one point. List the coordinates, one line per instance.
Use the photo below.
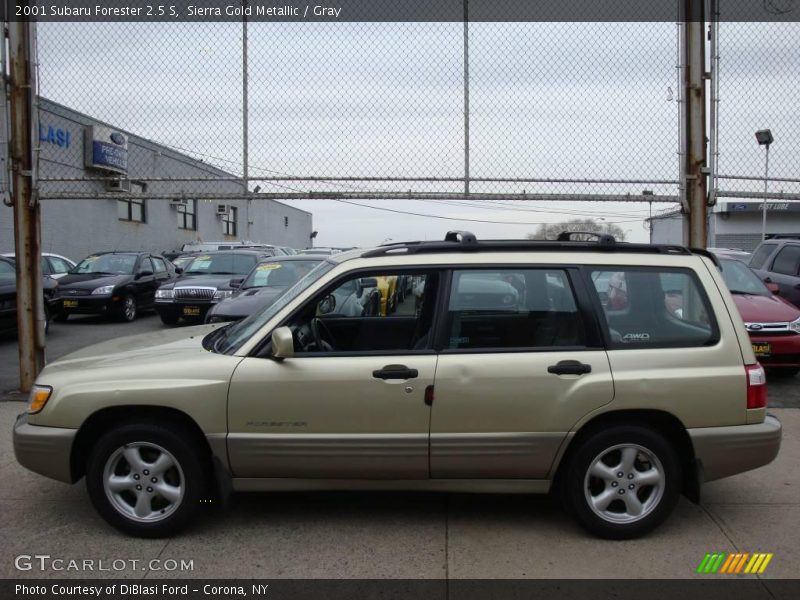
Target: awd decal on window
(636, 337)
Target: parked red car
(772, 322)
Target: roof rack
(465, 241)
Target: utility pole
(245, 126)
(27, 233)
(695, 183)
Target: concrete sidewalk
(399, 535)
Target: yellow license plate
(70, 304)
(191, 311)
(762, 349)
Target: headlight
(795, 325)
(105, 290)
(38, 398)
(165, 294)
(222, 294)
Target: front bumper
(191, 311)
(784, 350)
(87, 305)
(725, 451)
(44, 450)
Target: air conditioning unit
(178, 203)
(222, 210)
(118, 185)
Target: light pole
(764, 138)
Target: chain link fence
(757, 69)
(496, 111)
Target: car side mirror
(327, 304)
(141, 274)
(282, 343)
(236, 282)
(178, 270)
(774, 288)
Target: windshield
(741, 280)
(279, 273)
(226, 263)
(109, 264)
(237, 334)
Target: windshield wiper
(744, 293)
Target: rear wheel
(623, 482)
(146, 479)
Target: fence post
(27, 235)
(696, 231)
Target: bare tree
(550, 231)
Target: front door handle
(395, 372)
(569, 367)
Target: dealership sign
(106, 149)
(55, 135)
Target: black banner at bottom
(405, 589)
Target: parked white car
(54, 265)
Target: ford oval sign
(755, 327)
(118, 138)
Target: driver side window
(385, 311)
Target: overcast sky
(547, 100)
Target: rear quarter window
(649, 307)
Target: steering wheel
(322, 335)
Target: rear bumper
(44, 450)
(725, 451)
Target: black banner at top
(169, 11)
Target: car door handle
(395, 372)
(569, 367)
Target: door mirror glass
(141, 274)
(327, 304)
(282, 343)
(236, 282)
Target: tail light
(756, 386)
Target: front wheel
(127, 310)
(623, 482)
(146, 479)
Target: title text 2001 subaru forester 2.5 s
(514, 371)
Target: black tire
(177, 442)
(127, 310)
(60, 317)
(169, 318)
(617, 523)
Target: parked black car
(777, 260)
(204, 282)
(118, 284)
(262, 286)
(8, 296)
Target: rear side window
(761, 255)
(512, 308)
(654, 307)
(787, 260)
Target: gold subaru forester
(513, 370)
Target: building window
(187, 215)
(229, 221)
(131, 209)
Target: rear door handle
(569, 367)
(395, 372)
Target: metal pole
(245, 127)
(466, 96)
(764, 201)
(27, 235)
(695, 97)
(713, 156)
